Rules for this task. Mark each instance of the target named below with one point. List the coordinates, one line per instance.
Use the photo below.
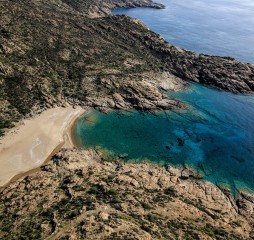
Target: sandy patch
(28, 146)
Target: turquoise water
(217, 27)
(216, 134)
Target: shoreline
(68, 135)
(189, 200)
(189, 170)
(72, 140)
(34, 142)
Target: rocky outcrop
(103, 8)
(221, 73)
(80, 195)
(147, 94)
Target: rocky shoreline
(104, 8)
(224, 73)
(149, 94)
(79, 194)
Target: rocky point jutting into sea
(61, 53)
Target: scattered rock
(104, 216)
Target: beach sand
(29, 145)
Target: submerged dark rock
(238, 159)
(180, 142)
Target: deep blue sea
(215, 135)
(215, 27)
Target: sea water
(215, 135)
(215, 27)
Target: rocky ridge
(147, 94)
(221, 72)
(81, 195)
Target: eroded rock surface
(146, 94)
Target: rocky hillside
(79, 195)
(53, 52)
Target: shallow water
(218, 27)
(216, 134)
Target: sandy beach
(30, 144)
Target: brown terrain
(81, 195)
(56, 53)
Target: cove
(215, 135)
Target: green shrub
(145, 206)
(171, 192)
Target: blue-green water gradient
(215, 135)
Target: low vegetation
(96, 201)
